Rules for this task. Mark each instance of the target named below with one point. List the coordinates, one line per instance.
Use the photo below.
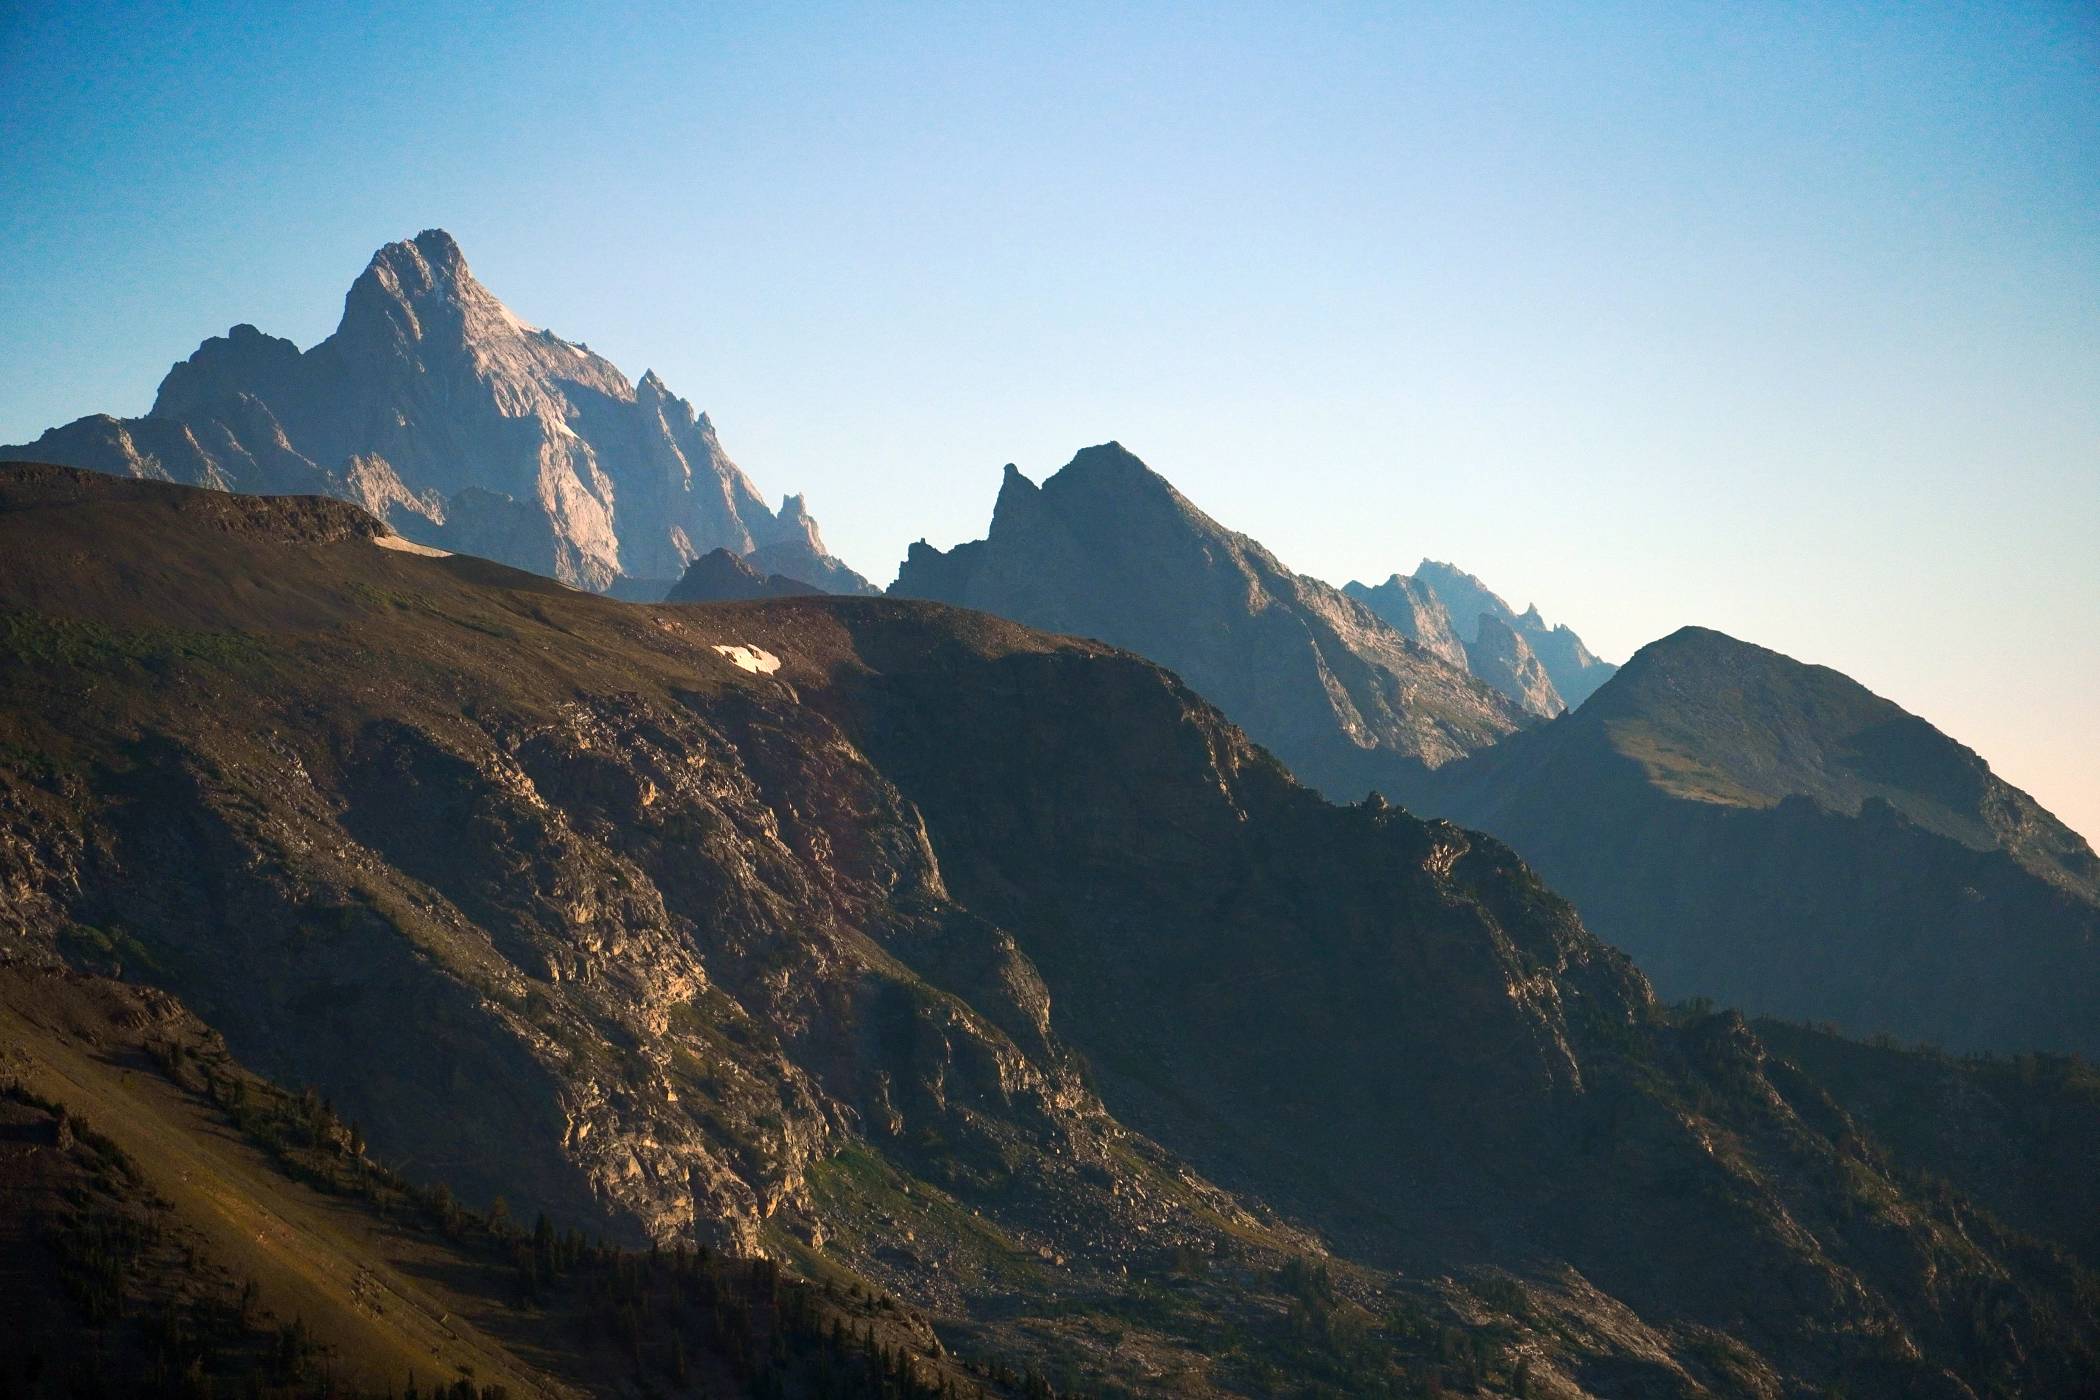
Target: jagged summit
(439, 409)
(1572, 669)
(1111, 471)
(1106, 547)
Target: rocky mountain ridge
(995, 967)
(1108, 548)
(436, 408)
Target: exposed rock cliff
(1416, 613)
(437, 409)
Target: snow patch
(756, 660)
(411, 547)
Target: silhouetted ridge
(1107, 548)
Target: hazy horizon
(1781, 323)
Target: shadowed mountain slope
(993, 967)
(1778, 837)
(433, 406)
(1107, 548)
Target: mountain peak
(505, 440)
(242, 359)
(432, 256)
(1108, 461)
(1111, 475)
(441, 248)
(422, 289)
(1694, 642)
(1107, 548)
(720, 576)
(1574, 670)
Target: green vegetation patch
(1677, 769)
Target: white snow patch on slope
(410, 547)
(756, 660)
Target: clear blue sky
(1784, 319)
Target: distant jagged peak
(511, 441)
(1575, 670)
(796, 524)
(793, 548)
(1413, 607)
(1499, 655)
(429, 262)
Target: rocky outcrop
(1777, 837)
(436, 408)
(1108, 548)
